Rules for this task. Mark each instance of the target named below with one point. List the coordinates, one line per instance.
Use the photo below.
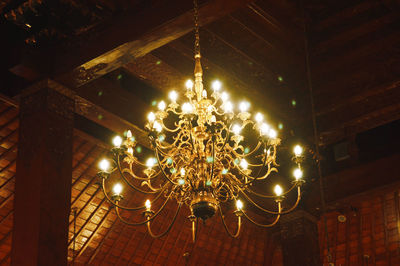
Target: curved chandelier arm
(130, 184)
(258, 206)
(226, 227)
(263, 225)
(270, 196)
(296, 203)
(145, 221)
(162, 169)
(129, 208)
(169, 227)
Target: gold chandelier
(201, 157)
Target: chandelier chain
(196, 28)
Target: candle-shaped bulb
(272, 134)
(157, 126)
(187, 108)
(228, 107)
(130, 150)
(236, 129)
(216, 85)
(151, 117)
(224, 96)
(151, 162)
(264, 129)
(239, 205)
(189, 84)
(204, 94)
(259, 117)
(297, 173)
(117, 189)
(278, 190)
(148, 205)
(173, 96)
(244, 106)
(183, 172)
(298, 150)
(244, 164)
(213, 119)
(104, 165)
(117, 141)
(161, 106)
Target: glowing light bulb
(173, 96)
(204, 94)
(104, 165)
(259, 117)
(278, 190)
(129, 134)
(189, 84)
(117, 141)
(183, 172)
(228, 107)
(239, 205)
(162, 105)
(117, 189)
(297, 173)
(224, 96)
(213, 119)
(264, 129)
(272, 134)
(298, 150)
(151, 117)
(130, 150)
(244, 164)
(150, 162)
(148, 205)
(236, 129)
(244, 106)
(216, 85)
(157, 126)
(187, 108)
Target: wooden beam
(123, 40)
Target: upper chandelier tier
(205, 155)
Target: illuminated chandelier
(201, 160)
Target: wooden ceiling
(119, 56)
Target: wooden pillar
(44, 175)
(299, 239)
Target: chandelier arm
(145, 221)
(195, 223)
(130, 171)
(169, 227)
(128, 208)
(256, 205)
(270, 196)
(262, 225)
(170, 130)
(213, 162)
(296, 203)
(130, 184)
(259, 172)
(253, 151)
(162, 169)
(239, 226)
(228, 134)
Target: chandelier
(205, 155)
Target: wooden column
(299, 239)
(44, 175)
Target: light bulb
(187, 108)
(104, 165)
(130, 150)
(239, 205)
(244, 164)
(117, 141)
(297, 173)
(228, 107)
(278, 190)
(183, 172)
(148, 205)
(204, 94)
(272, 134)
(213, 119)
(189, 84)
(216, 85)
(129, 134)
(117, 189)
(244, 106)
(236, 129)
(173, 96)
(264, 129)
(157, 126)
(150, 162)
(162, 105)
(259, 117)
(151, 117)
(224, 96)
(298, 150)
